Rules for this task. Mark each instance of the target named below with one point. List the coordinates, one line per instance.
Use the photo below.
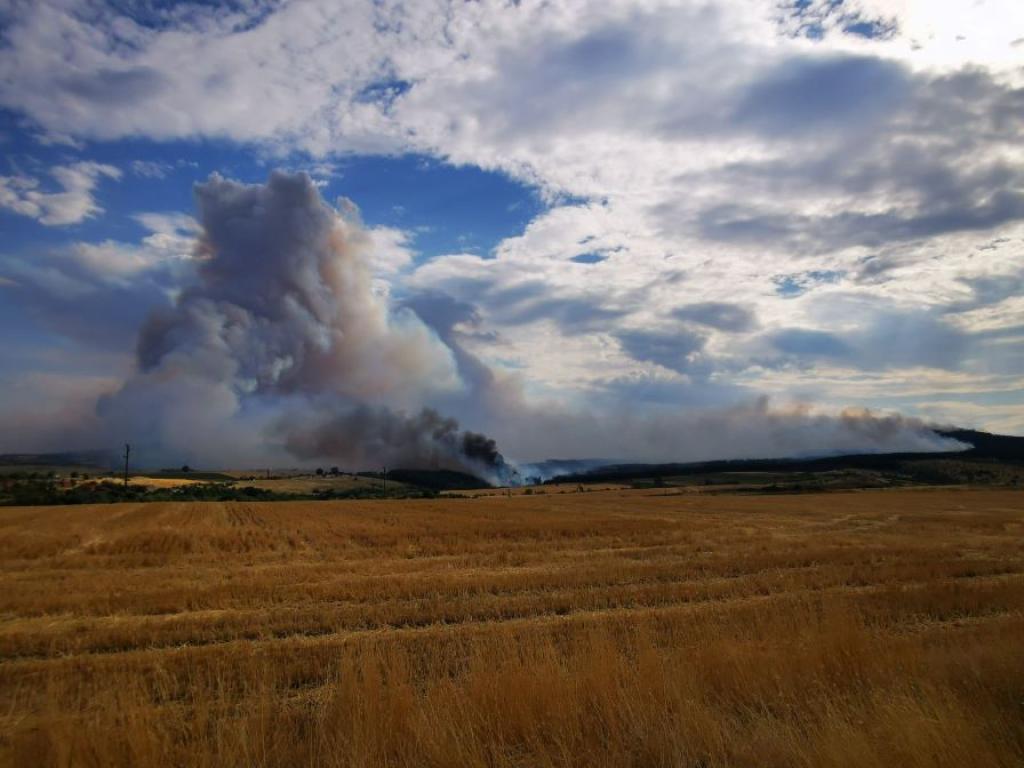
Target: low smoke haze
(474, 237)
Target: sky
(645, 229)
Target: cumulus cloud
(674, 349)
(99, 293)
(720, 315)
(393, 250)
(713, 175)
(247, 71)
(74, 203)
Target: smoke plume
(368, 436)
(282, 339)
(283, 347)
(284, 303)
(757, 429)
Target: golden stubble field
(611, 628)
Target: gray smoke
(282, 346)
(284, 303)
(365, 436)
(750, 430)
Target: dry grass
(538, 490)
(602, 629)
(311, 483)
(160, 482)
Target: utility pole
(127, 450)
(385, 493)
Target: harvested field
(611, 628)
(312, 483)
(161, 482)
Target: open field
(312, 483)
(610, 628)
(146, 481)
(282, 483)
(64, 470)
(538, 490)
(20, 488)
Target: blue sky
(640, 216)
(447, 208)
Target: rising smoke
(757, 429)
(368, 436)
(283, 339)
(284, 303)
(283, 347)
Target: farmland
(609, 628)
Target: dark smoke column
(361, 436)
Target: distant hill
(987, 445)
(988, 453)
(544, 470)
(433, 479)
(98, 459)
(987, 449)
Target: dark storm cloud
(696, 390)
(573, 315)
(533, 300)
(988, 290)
(804, 95)
(989, 208)
(722, 316)
(589, 80)
(514, 295)
(887, 340)
(672, 349)
(926, 153)
(807, 343)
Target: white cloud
(73, 204)
(946, 34)
(392, 250)
(150, 169)
(171, 239)
(692, 153)
(92, 269)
